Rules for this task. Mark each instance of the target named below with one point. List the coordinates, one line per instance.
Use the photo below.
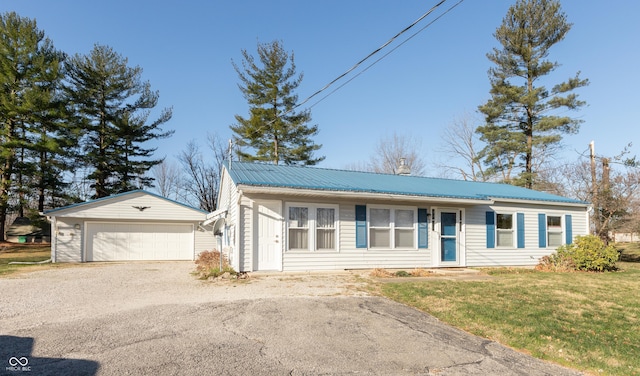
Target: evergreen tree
(112, 107)
(273, 130)
(521, 116)
(29, 82)
(132, 158)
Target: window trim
(513, 230)
(392, 228)
(312, 227)
(557, 230)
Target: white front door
(269, 240)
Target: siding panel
(356, 259)
(479, 255)
(68, 239)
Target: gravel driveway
(157, 319)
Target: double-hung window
(504, 230)
(298, 224)
(404, 227)
(380, 228)
(325, 228)
(554, 230)
(392, 228)
(312, 227)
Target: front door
(269, 242)
(449, 237)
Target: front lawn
(586, 321)
(23, 253)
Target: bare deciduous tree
(169, 179)
(203, 172)
(461, 143)
(388, 151)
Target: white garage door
(139, 241)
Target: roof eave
(544, 202)
(355, 194)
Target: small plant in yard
(208, 265)
(381, 273)
(419, 272)
(587, 253)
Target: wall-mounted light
(76, 226)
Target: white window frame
(512, 230)
(392, 228)
(312, 226)
(555, 230)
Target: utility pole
(594, 188)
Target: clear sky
(186, 47)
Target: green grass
(586, 321)
(22, 253)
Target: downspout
(54, 233)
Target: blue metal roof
(303, 177)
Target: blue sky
(185, 49)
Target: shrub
(587, 253)
(208, 265)
(402, 273)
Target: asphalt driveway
(156, 319)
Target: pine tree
(112, 107)
(274, 131)
(132, 158)
(522, 116)
(29, 83)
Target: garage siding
(68, 240)
(142, 226)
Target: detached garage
(135, 225)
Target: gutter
(359, 195)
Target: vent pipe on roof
(403, 168)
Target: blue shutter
(520, 224)
(361, 226)
(423, 228)
(542, 231)
(568, 226)
(491, 229)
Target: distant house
(289, 218)
(135, 225)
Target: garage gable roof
(320, 179)
(133, 205)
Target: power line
(369, 56)
(374, 52)
(375, 62)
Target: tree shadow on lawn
(15, 358)
(629, 257)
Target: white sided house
(135, 225)
(291, 218)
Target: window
(311, 228)
(380, 228)
(298, 227)
(325, 228)
(392, 228)
(554, 231)
(504, 230)
(404, 228)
